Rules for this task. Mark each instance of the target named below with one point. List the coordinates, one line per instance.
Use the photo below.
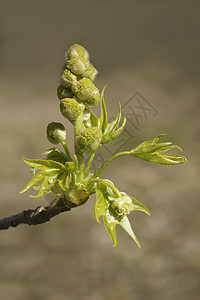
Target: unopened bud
(86, 92)
(63, 92)
(90, 72)
(71, 109)
(77, 65)
(56, 133)
(68, 78)
(76, 51)
(89, 139)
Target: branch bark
(35, 216)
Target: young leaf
(56, 155)
(103, 118)
(64, 181)
(115, 123)
(110, 135)
(110, 224)
(93, 119)
(139, 206)
(70, 166)
(43, 164)
(38, 178)
(150, 151)
(46, 186)
(100, 206)
(125, 224)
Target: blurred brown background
(151, 47)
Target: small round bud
(68, 78)
(63, 92)
(76, 51)
(86, 92)
(77, 65)
(89, 139)
(56, 133)
(123, 205)
(90, 72)
(71, 109)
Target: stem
(109, 184)
(73, 181)
(89, 162)
(80, 166)
(66, 151)
(109, 161)
(77, 126)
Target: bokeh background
(151, 47)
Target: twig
(35, 216)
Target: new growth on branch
(67, 176)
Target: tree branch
(36, 216)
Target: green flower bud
(77, 65)
(63, 92)
(123, 205)
(90, 72)
(56, 133)
(78, 197)
(86, 92)
(71, 109)
(76, 51)
(88, 141)
(68, 78)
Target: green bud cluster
(77, 77)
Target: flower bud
(86, 92)
(71, 109)
(88, 141)
(76, 51)
(68, 78)
(63, 92)
(90, 72)
(77, 65)
(56, 133)
(123, 205)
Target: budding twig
(35, 216)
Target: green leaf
(49, 172)
(110, 135)
(150, 151)
(110, 224)
(139, 206)
(93, 119)
(56, 155)
(125, 224)
(70, 166)
(46, 186)
(103, 118)
(115, 123)
(110, 221)
(150, 146)
(43, 164)
(32, 171)
(101, 205)
(119, 130)
(64, 181)
(38, 178)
